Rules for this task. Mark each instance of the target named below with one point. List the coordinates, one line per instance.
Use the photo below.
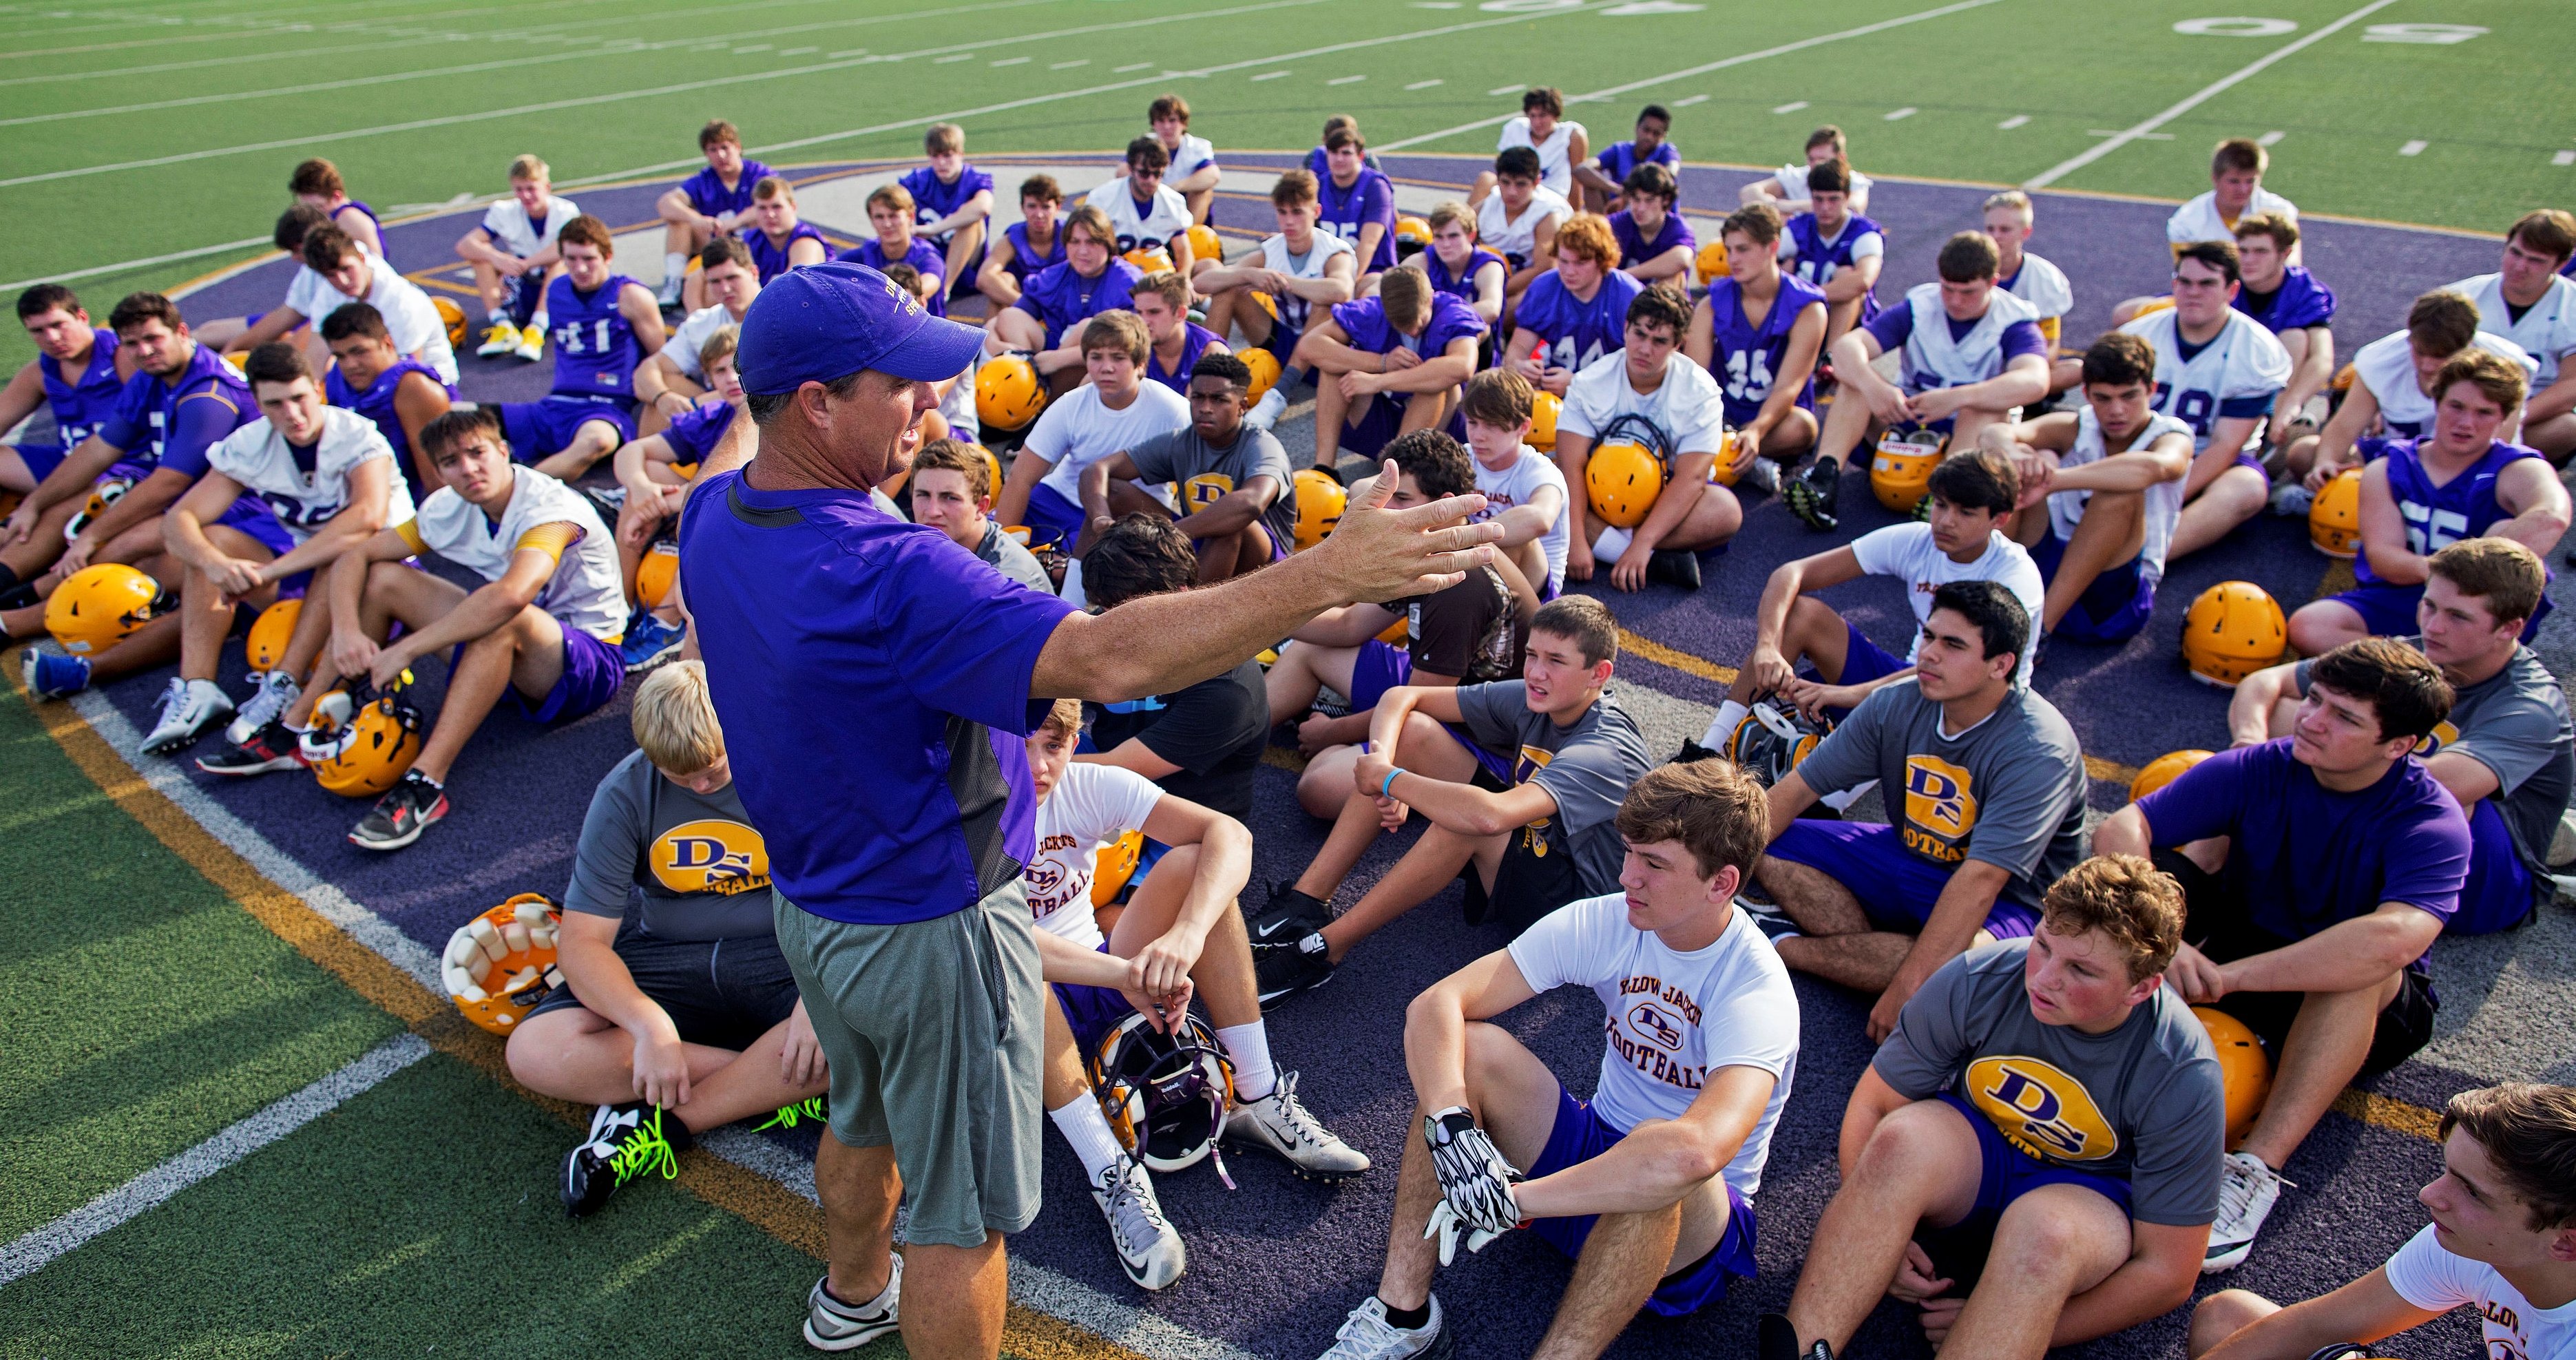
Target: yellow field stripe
(756, 1199)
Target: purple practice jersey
(1062, 298)
(1195, 339)
(1817, 262)
(934, 198)
(83, 403)
(1370, 198)
(693, 433)
(595, 349)
(1462, 284)
(708, 196)
(1635, 249)
(1619, 158)
(1025, 259)
(158, 423)
(377, 404)
(926, 260)
(1745, 355)
(771, 258)
(1577, 331)
(2439, 516)
(2300, 302)
(1365, 323)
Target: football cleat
(53, 675)
(270, 749)
(407, 809)
(2247, 1190)
(1811, 494)
(532, 344)
(1762, 474)
(275, 693)
(1674, 567)
(1367, 1335)
(1289, 915)
(831, 1325)
(1282, 969)
(1691, 750)
(499, 342)
(1149, 1247)
(626, 1141)
(650, 642)
(1279, 1124)
(1775, 1339)
(189, 709)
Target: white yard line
(1895, 114)
(2017, 120)
(1791, 107)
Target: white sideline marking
(1720, 64)
(1270, 75)
(2017, 120)
(2272, 138)
(1424, 84)
(1907, 112)
(2413, 148)
(1500, 90)
(1345, 80)
(2201, 96)
(1791, 107)
(42, 1246)
(2562, 158)
(1014, 61)
(1694, 99)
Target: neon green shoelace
(645, 1150)
(812, 1107)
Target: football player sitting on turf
(1759, 332)
(1649, 1185)
(1319, 161)
(2027, 275)
(707, 206)
(1028, 246)
(1522, 487)
(1519, 220)
(338, 270)
(1193, 171)
(1144, 213)
(779, 240)
(1986, 783)
(2425, 494)
(1787, 189)
(2392, 396)
(1458, 264)
(148, 449)
(605, 325)
(2316, 872)
(76, 376)
(670, 381)
(1296, 268)
(952, 204)
(1973, 356)
(2533, 304)
(329, 481)
(1204, 742)
(512, 251)
(2112, 476)
(1047, 322)
(1181, 932)
(1606, 177)
(2031, 1160)
(1471, 633)
(890, 212)
(1543, 130)
(1175, 343)
(317, 184)
(1115, 409)
(1964, 538)
(1519, 779)
(1574, 313)
(2236, 169)
(2220, 372)
(1647, 393)
(1388, 365)
(2502, 1244)
(690, 1020)
(1654, 242)
(399, 393)
(1835, 248)
(2296, 307)
(543, 628)
(1356, 202)
(1238, 499)
(951, 490)
(656, 471)
(2505, 753)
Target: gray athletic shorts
(934, 1032)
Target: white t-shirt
(2433, 1279)
(1516, 237)
(410, 317)
(2242, 363)
(1792, 180)
(2547, 328)
(1674, 1017)
(2198, 220)
(1689, 406)
(1322, 246)
(1555, 169)
(508, 225)
(1077, 430)
(2163, 500)
(2386, 366)
(1194, 152)
(587, 591)
(1905, 552)
(2044, 287)
(1090, 807)
(693, 332)
(1519, 485)
(259, 458)
(1168, 217)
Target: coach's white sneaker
(1149, 1247)
(831, 1325)
(1367, 1335)
(2247, 1190)
(1281, 1126)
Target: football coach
(875, 682)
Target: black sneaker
(1289, 915)
(266, 751)
(406, 810)
(1775, 1339)
(1280, 970)
(1673, 567)
(1691, 751)
(625, 1141)
(1811, 494)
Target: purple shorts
(1581, 1134)
(1896, 887)
(1092, 1012)
(2112, 609)
(2006, 1173)
(1379, 667)
(540, 429)
(1863, 661)
(1381, 420)
(1053, 521)
(41, 459)
(593, 670)
(2389, 610)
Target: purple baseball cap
(824, 322)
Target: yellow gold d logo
(1937, 797)
(2040, 1109)
(710, 856)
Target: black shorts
(719, 993)
(2216, 922)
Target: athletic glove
(1475, 1180)
(1444, 1225)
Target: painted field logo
(711, 856)
(1939, 808)
(2040, 1109)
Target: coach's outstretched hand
(1377, 554)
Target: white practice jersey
(2044, 286)
(411, 319)
(2242, 367)
(587, 591)
(692, 336)
(2163, 500)
(1293, 310)
(2546, 330)
(305, 498)
(1517, 237)
(1792, 180)
(1194, 153)
(1087, 811)
(1168, 216)
(2386, 366)
(2199, 219)
(1555, 168)
(1689, 406)
(508, 225)
(1935, 358)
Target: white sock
(1087, 1129)
(1072, 592)
(1249, 1047)
(1729, 714)
(1612, 545)
(539, 320)
(674, 266)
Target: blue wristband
(1388, 782)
